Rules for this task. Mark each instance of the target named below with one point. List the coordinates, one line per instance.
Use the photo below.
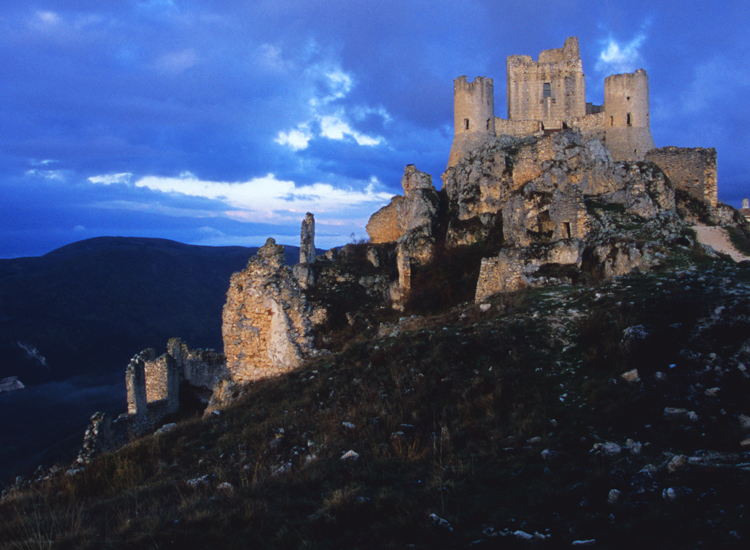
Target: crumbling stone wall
(550, 95)
(307, 240)
(691, 170)
(551, 90)
(515, 268)
(266, 319)
(383, 225)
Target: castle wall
(691, 170)
(552, 89)
(517, 128)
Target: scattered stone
(607, 449)
(523, 535)
(614, 496)
(440, 522)
(589, 542)
(348, 425)
(745, 442)
(631, 376)
(631, 335)
(226, 487)
(634, 446)
(350, 455)
(677, 463)
(712, 392)
(166, 428)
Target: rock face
(534, 188)
(417, 217)
(266, 319)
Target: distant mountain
(88, 307)
(71, 320)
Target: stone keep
(549, 95)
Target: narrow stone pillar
(135, 382)
(307, 240)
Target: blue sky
(223, 122)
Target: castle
(549, 95)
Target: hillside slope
(481, 427)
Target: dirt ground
(717, 238)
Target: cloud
(714, 80)
(177, 62)
(263, 199)
(326, 86)
(333, 127)
(109, 179)
(47, 17)
(617, 57)
(55, 175)
(296, 139)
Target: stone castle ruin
(559, 191)
(549, 95)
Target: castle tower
(473, 115)
(551, 90)
(627, 124)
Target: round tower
(627, 124)
(474, 106)
(473, 115)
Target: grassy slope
(442, 416)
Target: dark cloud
(316, 91)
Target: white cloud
(109, 179)
(296, 139)
(47, 17)
(332, 127)
(270, 200)
(177, 62)
(55, 175)
(325, 84)
(617, 57)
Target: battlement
(550, 94)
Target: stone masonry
(266, 319)
(550, 95)
(690, 170)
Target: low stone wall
(692, 170)
(513, 268)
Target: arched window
(629, 120)
(547, 88)
(466, 124)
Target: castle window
(611, 121)
(629, 120)
(489, 125)
(547, 89)
(466, 124)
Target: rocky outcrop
(266, 319)
(417, 217)
(535, 188)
